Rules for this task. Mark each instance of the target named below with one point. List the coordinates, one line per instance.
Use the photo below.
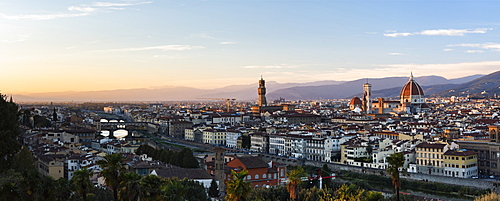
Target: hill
(487, 85)
(328, 89)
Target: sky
(85, 45)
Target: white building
(232, 138)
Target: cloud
(440, 32)
(447, 50)
(42, 16)
(474, 51)
(279, 66)
(395, 54)
(347, 73)
(19, 38)
(397, 34)
(82, 9)
(111, 4)
(227, 43)
(202, 35)
(162, 48)
(76, 11)
(491, 46)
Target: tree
(10, 191)
(188, 160)
(81, 180)
(245, 141)
(9, 132)
(326, 171)
(238, 188)
(275, 193)
(62, 190)
(395, 161)
(293, 181)
(174, 190)
(196, 191)
(213, 190)
(112, 169)
(314, 193)
(130, 186)
(23, 161)
(492, 196)
(151, 187)
(349, 193)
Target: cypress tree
(213, 191)
(9, 132)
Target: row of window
(429, 149)
(459, 166)
(426, 155)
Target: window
(256, 176)
(249, 177)
(264, 176)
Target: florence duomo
(411, 100)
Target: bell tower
(262, 92)
(219, 169)
(493, 131)
(367, 99)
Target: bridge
(128, 126)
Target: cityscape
(130, 100)
(451, 141)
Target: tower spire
(262, 92)
(411, 75)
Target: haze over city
(49, 46)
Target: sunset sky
(83, 45)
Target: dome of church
(411, 88)
(355, 101)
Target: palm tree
(395, 161)
(350, 193)
(151, 187)
(81, 179)
(238, 188)
(130, 186)
(112, 169)
(294, 179)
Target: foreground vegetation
(25, 183)
(382, 183)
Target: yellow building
(51, 165)
(430, 158)
(460, 163)
(214, 136)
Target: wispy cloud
(20, 38)
(490, 46)
(74, 11)
(474, 51)
(227, 43)
(395, 54)
(447, 50)
(448, 70)
(162, 48)
(204, 35)
(439, 32)
(41, 16)
(112, 4)
(398, 34)
(279, 66)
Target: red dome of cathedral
(355, 101)
(411, 88)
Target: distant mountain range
(381, 87)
